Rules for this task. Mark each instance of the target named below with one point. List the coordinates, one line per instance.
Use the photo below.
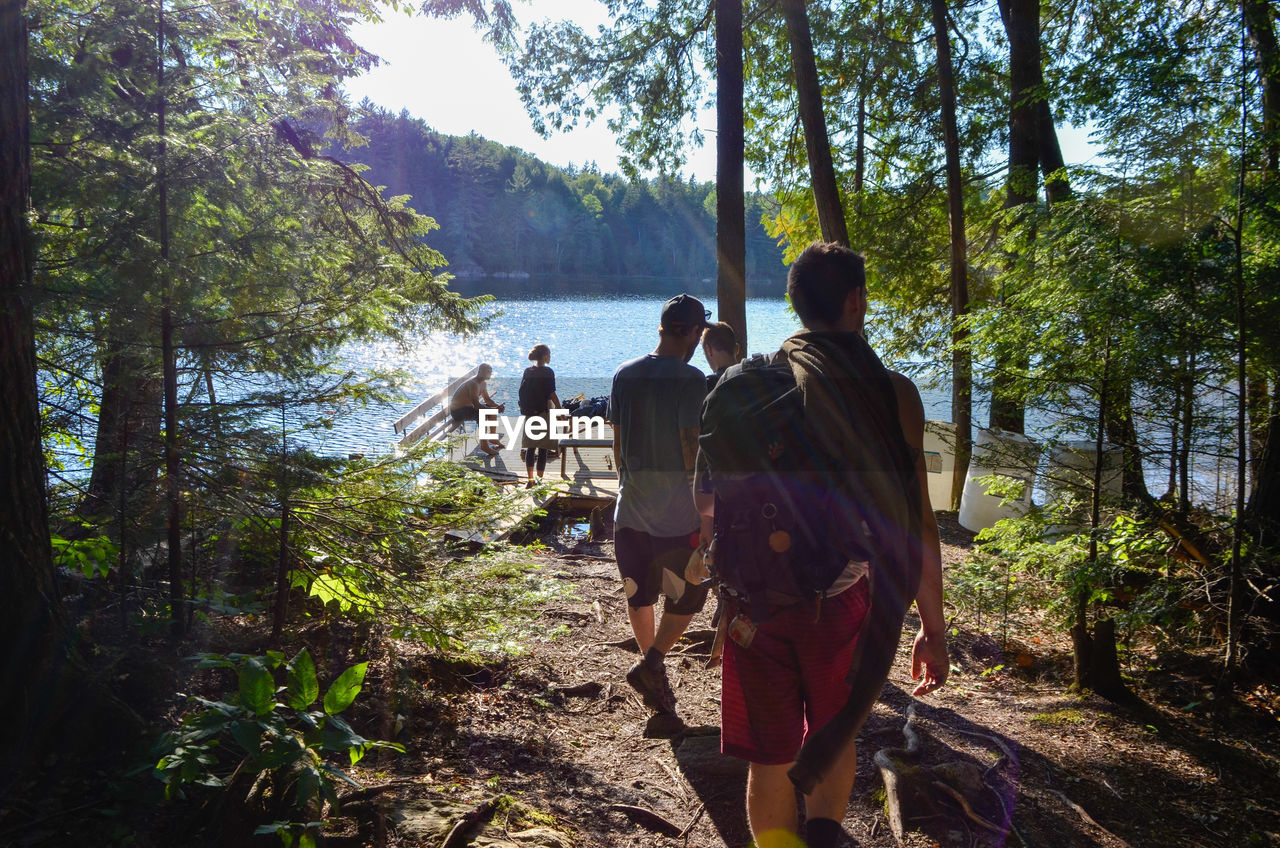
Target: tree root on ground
(913, 791)
(1086, 818)
(647, 819)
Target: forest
(214, 635)
(551, 221)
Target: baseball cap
(684, 312)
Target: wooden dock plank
(526, 504)
(590, 480)
(587, 464)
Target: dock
(582, 478)
(582, 475)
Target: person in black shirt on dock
(537, 398)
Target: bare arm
(929, 652)
(617, 449)
(483, 392)
(689, 447)
(706, 504)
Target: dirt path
(559, 730)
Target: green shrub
(268, 737)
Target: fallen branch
(458, 835)
(671, 773)
(684, 834)
(369, 791)
(1088, 819)
(1008, 752)
(968, 810)
(665, 791)
(646, 818)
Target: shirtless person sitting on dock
(471, 397)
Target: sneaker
(653, 687)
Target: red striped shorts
(791, 679)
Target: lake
(591, 329)
(594, 325)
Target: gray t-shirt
(653, 398)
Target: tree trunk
(1022, 24)
(1122, 433)
(126, 451)
(1259, 415)
(1259, 21)
(172, 462)
(1235, 597)
(731, 212)
(39, 676)
(1104, 665)
(1097, 666)
(1263, 510)
(1081, 652)
(1057, 188)
(1188, 422)
(284, 561)
(961, 364)
(860, 154)
(822, 172)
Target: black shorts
(654, 565)
(465, 413)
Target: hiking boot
(653, 687)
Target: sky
(442, 72)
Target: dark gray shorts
(655, 565)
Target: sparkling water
(590, 334)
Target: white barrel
(1004, 453)
(1071, 467)
(940, 461)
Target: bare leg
(670, 629)
(830, 798)
(642, 625)
(771, 807)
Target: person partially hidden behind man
(791, 677)
(654, 407)
(720, 347)
(471, 397)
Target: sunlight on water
(589, 337)
(590, 333)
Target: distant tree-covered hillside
(502, 210)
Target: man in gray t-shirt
(654, 408)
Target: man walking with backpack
(823, 535)
(654, 408)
